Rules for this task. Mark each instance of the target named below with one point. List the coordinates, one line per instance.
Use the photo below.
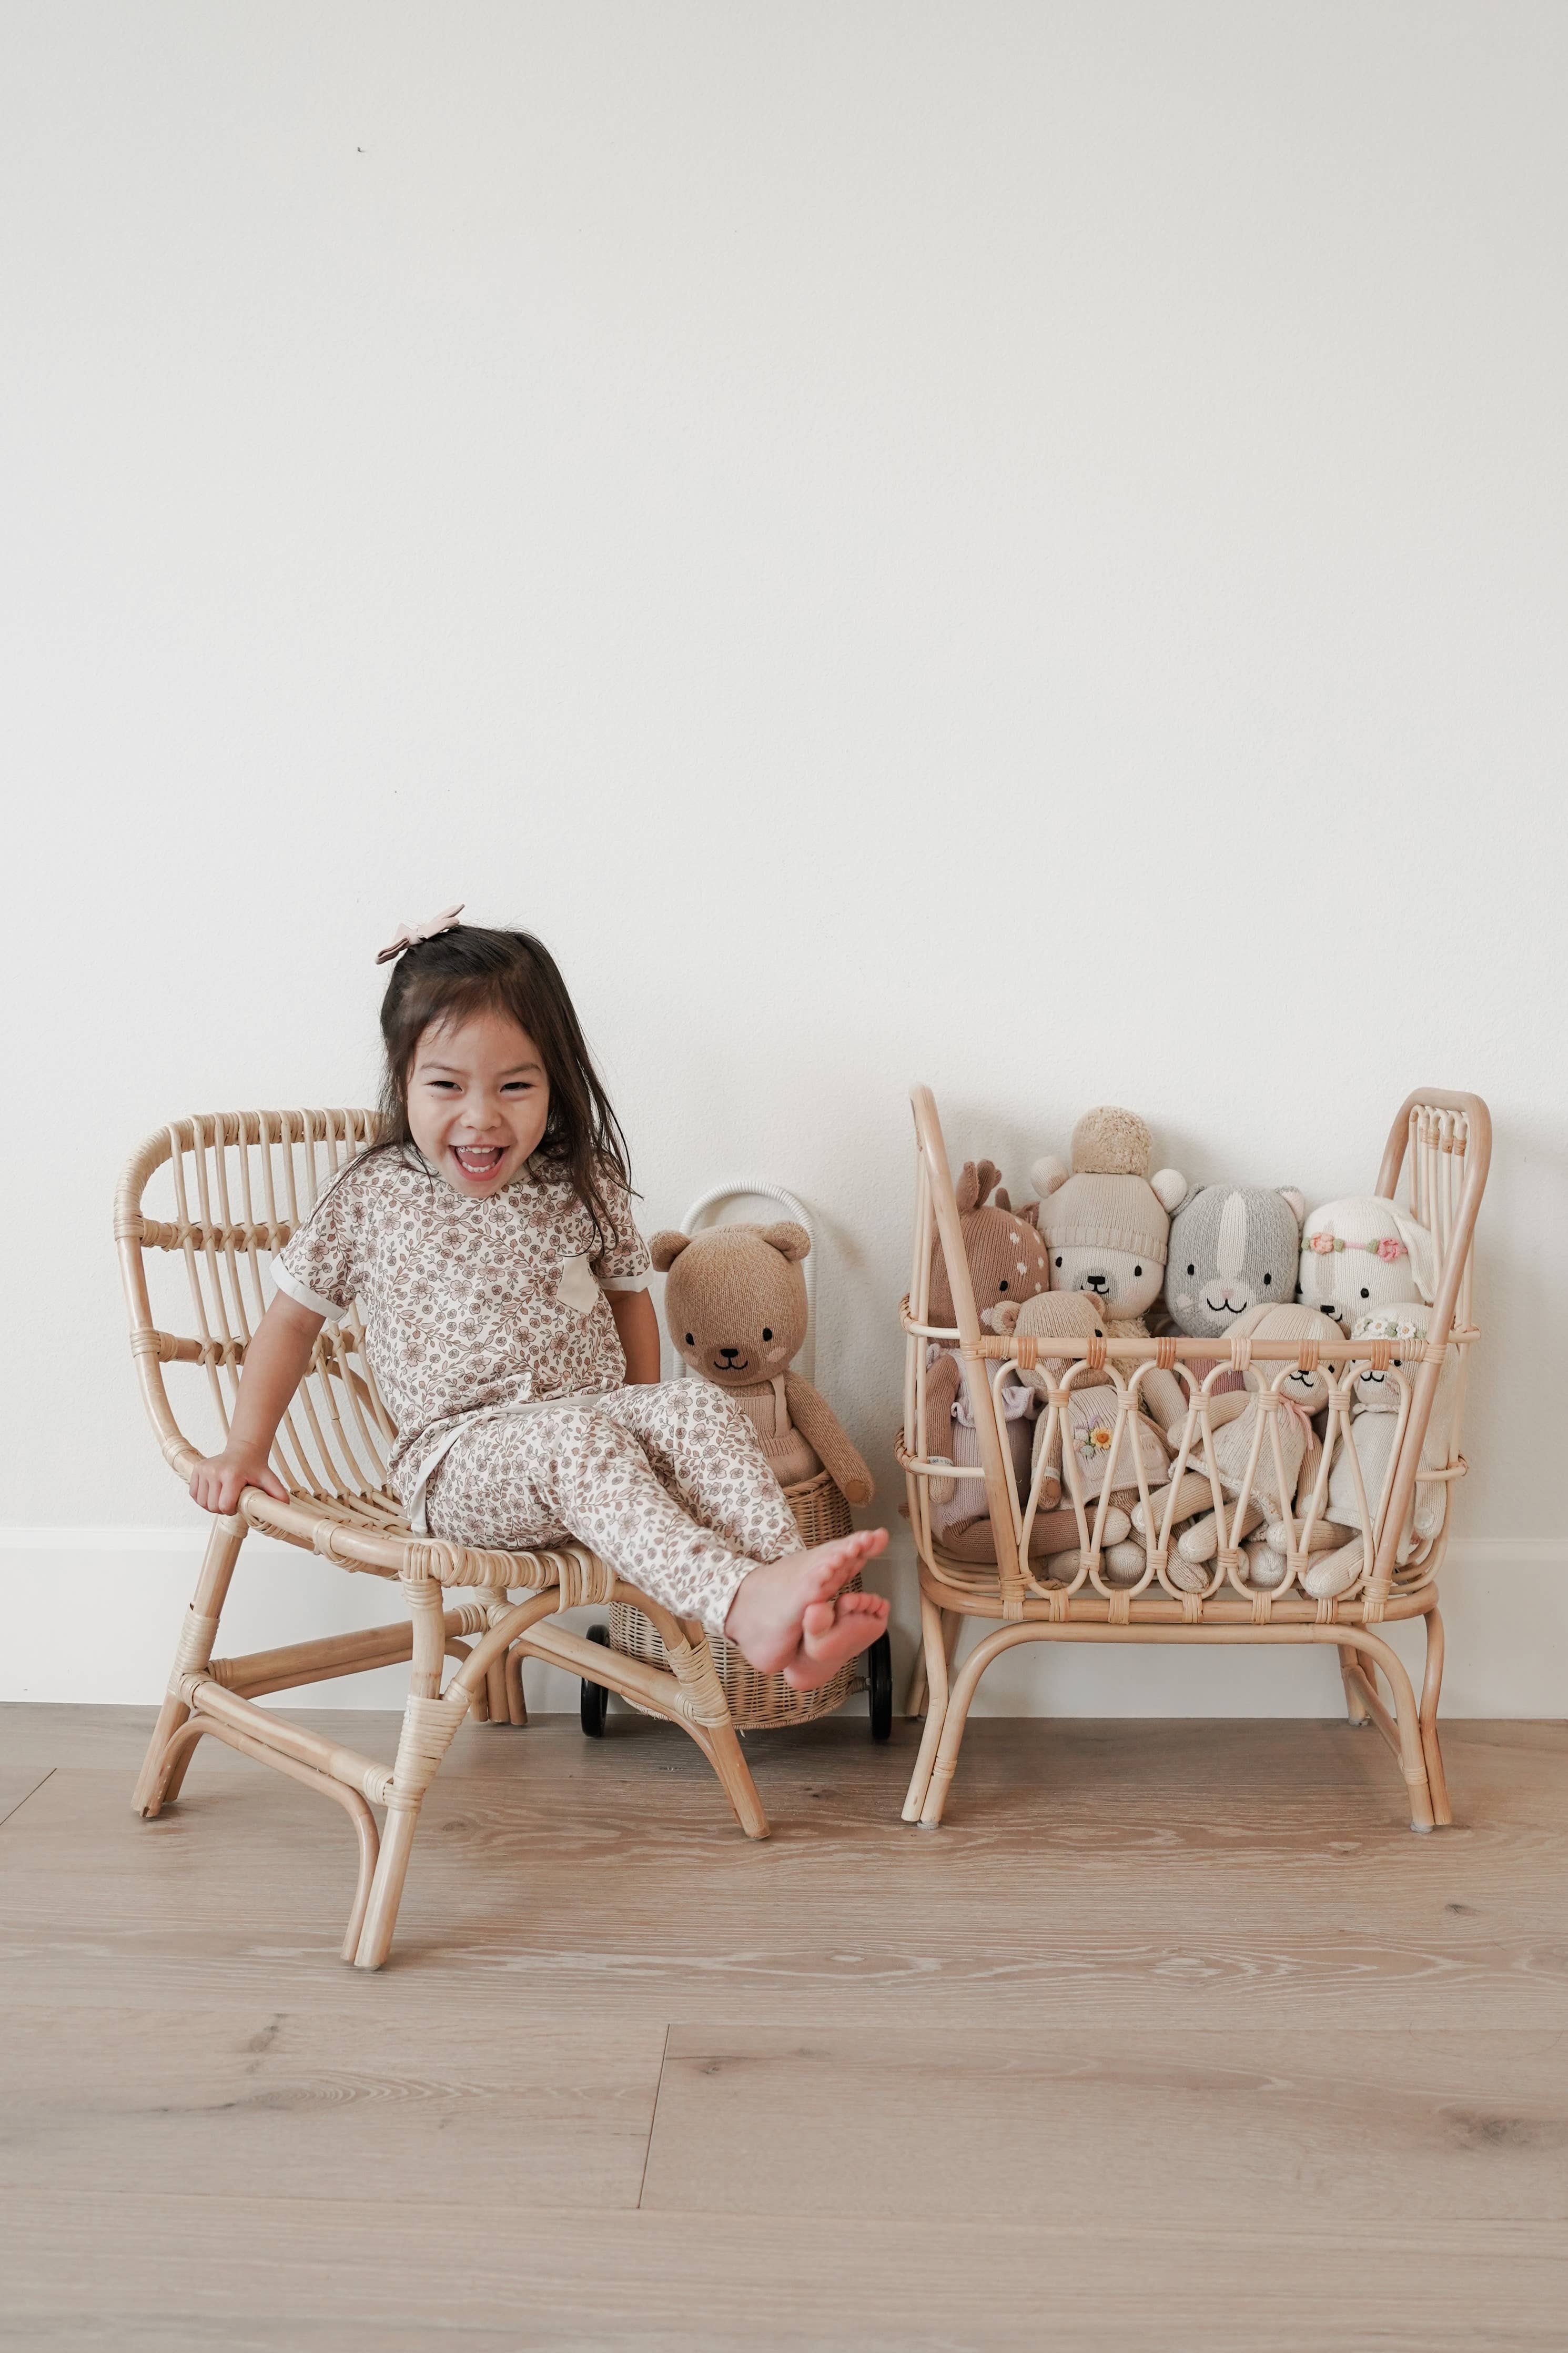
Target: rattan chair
(1447, 1139)
(237, 1185)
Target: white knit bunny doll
(1361, 1255)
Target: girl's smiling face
(478, 1100)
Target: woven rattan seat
(1447, 1140)
(237, 1184)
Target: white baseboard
(92, 1614)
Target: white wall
(1020, 546)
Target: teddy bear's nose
(1096, 1283)
(729, 1354)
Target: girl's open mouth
(478, 1160)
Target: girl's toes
(818, 1619)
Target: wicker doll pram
(759, 1702)
(1447, 1139)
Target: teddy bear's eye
(689, 1340)
(1367, 1294)
(1267, 1281)
(1058, 1261)
(1137, 1271)
(766, 1333)
(1192, 1270)
(1002, 1284)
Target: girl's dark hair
(469, 970)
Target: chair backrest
(200, 1210)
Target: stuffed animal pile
(1107, 1249)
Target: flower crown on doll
(412, 933)
(1388, 1248)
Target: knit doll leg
(573, 1470)
(705, 1450)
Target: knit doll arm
(942, 1382)
(821, 1428)
(1163, 1398)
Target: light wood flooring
(1174, 2037)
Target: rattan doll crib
(236, 1184)
(1447, 1139)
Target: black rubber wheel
(879, 1687)
(594, 1704)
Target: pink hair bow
(415, 933)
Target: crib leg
(1431, 1686)
(955, 1715)
(934, 1656)
(1403, 1731)
(1356, 1706)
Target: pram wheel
(594, 1704)
(879, 1687)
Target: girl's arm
(637, 1325)
(275, 1365)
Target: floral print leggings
(667, 1485)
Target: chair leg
(720, 1743)
(1431, 1686)
(517, 1706)
(429, 1727)
(934, 1635)
(707, 1712)
(194, 1651)
(386, 1887)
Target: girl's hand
(218, 1483)
(275, 1362)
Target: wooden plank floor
(1172, 2037)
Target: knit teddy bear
(1107, 1227)
(735, 1308)
(1362, 1254)
(1006, 1263)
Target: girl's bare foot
(791, 1617)
(832, 1632)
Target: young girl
(489, 1239)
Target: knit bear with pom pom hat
(1106, 1225)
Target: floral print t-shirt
(469, 1305)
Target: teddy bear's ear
(1001, 1200)
(1004, 1316)
(1047, 1174)
(1170, 1187)
(789, 1239)
(968, 1190)
(1295, 1202)
(665, 1248)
